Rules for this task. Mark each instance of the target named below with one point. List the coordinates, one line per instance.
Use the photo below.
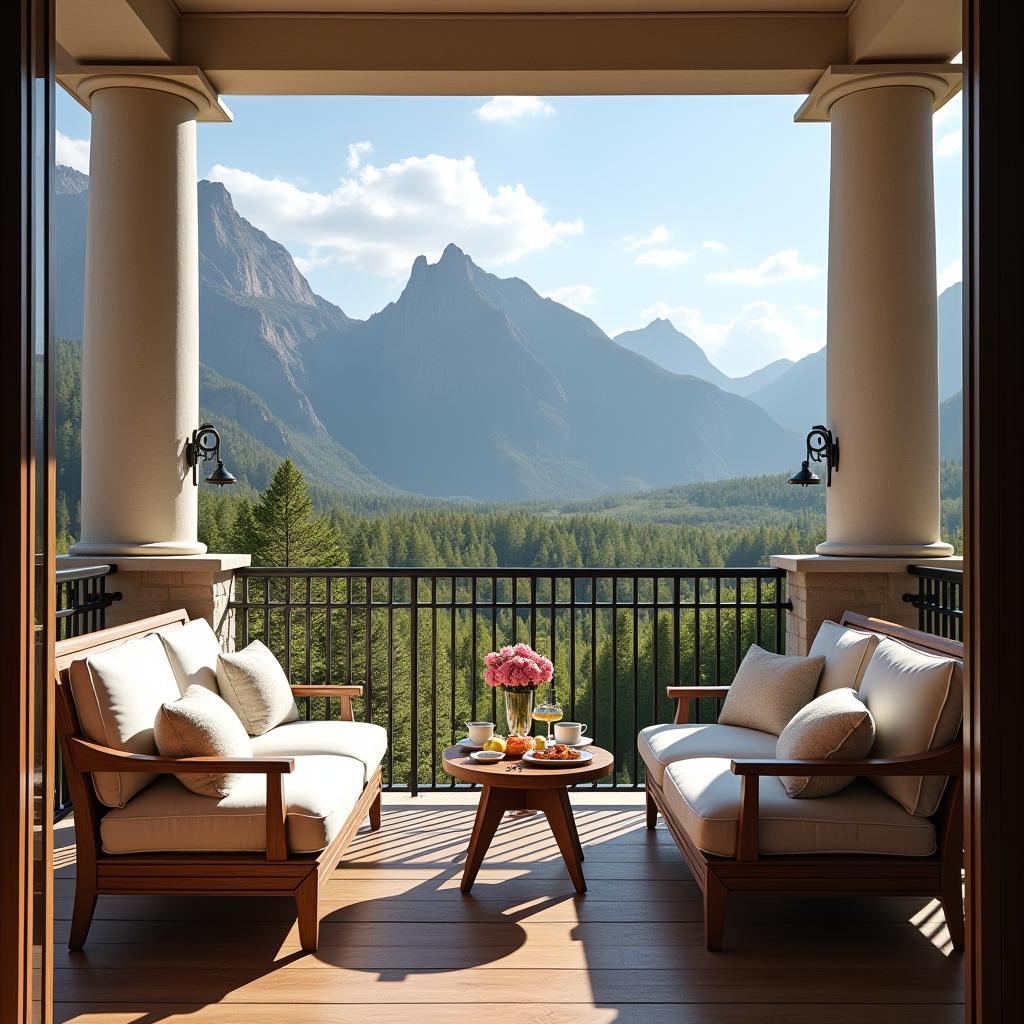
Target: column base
(843, 549)
(90, 549)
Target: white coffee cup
(480, 732)
(569, 732)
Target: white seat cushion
(662, 745)
(118, 694)
(703, 797)
(846, 652)
(361, 740)
(319, 796)
(193, 650)
(916, 700)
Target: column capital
(187, 82)
(839, 80)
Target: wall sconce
(205, 445)
(821, 447)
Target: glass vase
(519, 710)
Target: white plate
(466, 744)
(530, 757)
(476, 756)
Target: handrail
(415, 639)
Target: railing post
(414, 686)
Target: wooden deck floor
(400, 944)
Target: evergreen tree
(284, 529)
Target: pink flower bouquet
(518, 667)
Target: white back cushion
(118, 694)
(916, 700)
(193, 651)
(846, 652)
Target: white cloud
(512, 108)
(356, 152)
(73, 152)
(781, 266)
(381, 218)
(662, 257)
(657, 235)
(950, 111)
(713, 245)
(949, 276)
(760, 333)
(575, 296)
(950, 143)
(809, 312)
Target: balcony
(397, 937)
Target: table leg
(554, 803)
(571, 818)
(493, 804)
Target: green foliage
(283, 529)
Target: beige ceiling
(480, 47)
(513, 6)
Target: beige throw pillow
(916, 700)
(769, 689)
(846, 652)
(254, 684)
(835, 726)
(200, 724)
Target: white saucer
(534, 762)
(466, 744)
(585, 742)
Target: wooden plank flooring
(400, 943)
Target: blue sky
(712, 211)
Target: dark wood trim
(26, 513)
(993, 496)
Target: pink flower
(517, 666)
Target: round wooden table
(512, 786)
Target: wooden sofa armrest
(944, 761)
(682, 695)
(87, 756)
(343, 693)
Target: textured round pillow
(835, 726)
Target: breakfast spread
(557, 752)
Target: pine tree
(285, 530)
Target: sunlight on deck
(399, 942)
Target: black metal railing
(81, 603)
(415, 639)
(82, 600)
(939, 600)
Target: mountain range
(467, 385)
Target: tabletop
(460, 765)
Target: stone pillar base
(821, 587)
(201, 584)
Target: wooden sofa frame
(273, 873)
(938, 875)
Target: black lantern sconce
(204, 446)
(821, 447)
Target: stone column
(140, 374)
(882, 398)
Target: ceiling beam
(140, 31)
(549, 54)
(905, 30)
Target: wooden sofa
(268, 866)
(746, 868)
